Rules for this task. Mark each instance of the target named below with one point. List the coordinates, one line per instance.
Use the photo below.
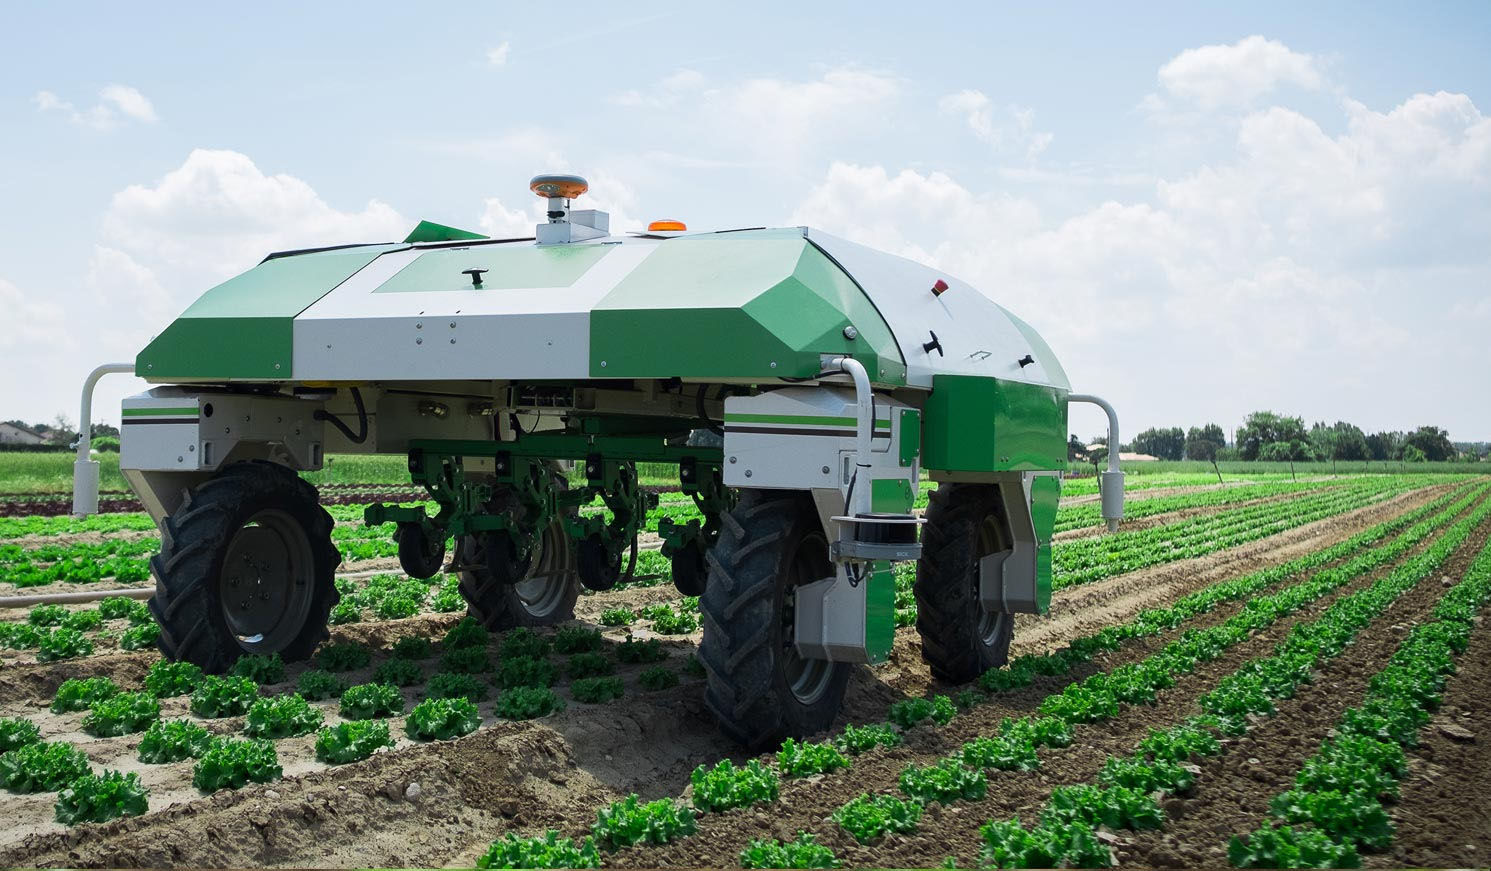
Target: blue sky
(1206, 210)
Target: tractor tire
(502, 593)
(759, 689)
(960, 638)
(246, 566)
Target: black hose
(362, 420)
(703, 415)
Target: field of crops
(1262, 672)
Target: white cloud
(1213, 76)
(607, 194)
(32, 321)
(218, 213)
(116, 102)
(1014, 128)
(497, 57)
(666, 93)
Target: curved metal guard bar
(1110, 483)
(84, 469)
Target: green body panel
(880, 612)
(737, 306)
(242, 328)
(1045, 493)
(429, 231)
(891, 496)
(911, 435)
(508, 267)
(978, 424)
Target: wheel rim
(544, 589)
(990, 623)
(265, 587)
(807, 679)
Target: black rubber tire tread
(741, 607)
(194, 540)
(414, 559)
(947, 606)
(689, 570)
(492, 599)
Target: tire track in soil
(1443, 818)
(945, 829)
(659, 737)
(1234, 790)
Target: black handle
(1025, 361)
(933, 345)
(475, 274)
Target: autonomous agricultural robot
(800, 384)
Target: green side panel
(880, 613)
(242, 327)
(508, 267)
(737, 305)
(911, 435)
(1045, 494)
(989, 425)
(429, 231)
(890, 496)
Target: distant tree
(103, 430)
(1265, 427)
(1165, 443)
(1414, 454)
(1203, 442)
(1385, 445)
(1433, 442)
(1075, 450)
(61, 431)
(1295, 450)
(1339, 441)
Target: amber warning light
(666, 227)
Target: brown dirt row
(953, 829)
(1234, 790)
(658, 740)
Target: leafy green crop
(344, 612)
(1346, 817)
(1288, 847)
(465, 660)
(671, 622)
(396, 607)
(231, 763)
(398, 672)
(76, 693)
(46, 615)
(445, 685)
(550, 851)
(223, 696)
(801, 853)
(172, 741)
(523, 641)
(908, 712)
(84, 621)
(319, 685)
(641, 650)
(589, 665)
(19, 636)
(123, 608)
(1049, 845)
(344, 656)
(41, 767)
(441, 719)
(98, 798)
(17, 732)
(413, 647)
(1179, 744)
(617, 617)
(597, 690)
(867, 818)
(806, 759)
(260, 669)
(351, 742)
(448, 600)
(858, 739)
(1141, 776)
(1004, 753)
(657, 678)
(524, 671)
(170, 679)
(628, 821)
(467, 632)
(577, 639)
(947, 781)
(121, 714)
(1116, 807)
(527, 703)
(141, 637)
(282, 717)
(725, 786)
(370, 701)
(63, 643)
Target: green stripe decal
(800, 420)
(158, 412)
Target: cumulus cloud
(497, 57)
(1009, 128)
(116, 104)
(32, 320)
(1219, 75)
(218, 213)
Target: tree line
(1268, 436)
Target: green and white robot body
(801, 384)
